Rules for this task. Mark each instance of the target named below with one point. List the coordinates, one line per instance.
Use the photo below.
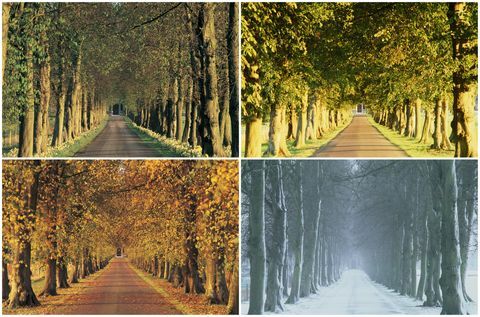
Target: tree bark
(277, 246)
(302, 122)
(41, 132)
(256, 241)
(5, 22)
(211, 141)
(5, 279)
(425, 137)
(297, 239)
(450, 281)
(311, 213)
(464, 83)
(27, 116)
(233, 75)
(253, 140)
(277, 145)
(21, 293)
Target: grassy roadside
(410, 145)
(68, 149)
(165, 147)
(50, 304)
(189, 304)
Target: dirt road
(117, 140)
(118, 290)
(360, 139)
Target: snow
(355, 293)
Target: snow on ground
(355, 293)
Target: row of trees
(431, 221)
(304, 64)
(188, 235)
(181, 215)
(197, 99)
(46, 219)
(293, 231)
(173, 65)
(44, 72)
(307, 221)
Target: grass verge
(67, 149)
(54, 304)
(189, 304)
(410, 145)
(165, 147)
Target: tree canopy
(402, 60)
(74, 61)
(75, 214)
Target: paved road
(117, 140)
(118, 290)
(360, 139)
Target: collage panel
(124, 154)
(360, 79)
(369, 237)
(120, 237)
(120, 79)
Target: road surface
(360, 139)
(118, 290)
(117, 140)
(355, 294)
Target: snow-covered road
(356, 294)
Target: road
(118, 290)
(356, 294)
(360, 139)
(117, 140)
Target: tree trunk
(302, 122)
(466, 206)
(253, 140)
(437, 134)
(311, 213)
(407, 247)
(445, 141)
(27, 116)
(21, 293)
(62, 273)
(276, 250)
(60, 113)
(464, 83)
(233, 304)
(256, 241)
(423, 248)
(5, 280)
(179, 111)
(188, 110)
(5, 22)
(211, 142)
(433, 254)
(409, 113)
(425, 137)
(50, 288)
(297, 240)
(75, 272)
(450, 282)
(233, 75)
(277, 145)
(210, 282)
(42, 115)
(418, 110)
